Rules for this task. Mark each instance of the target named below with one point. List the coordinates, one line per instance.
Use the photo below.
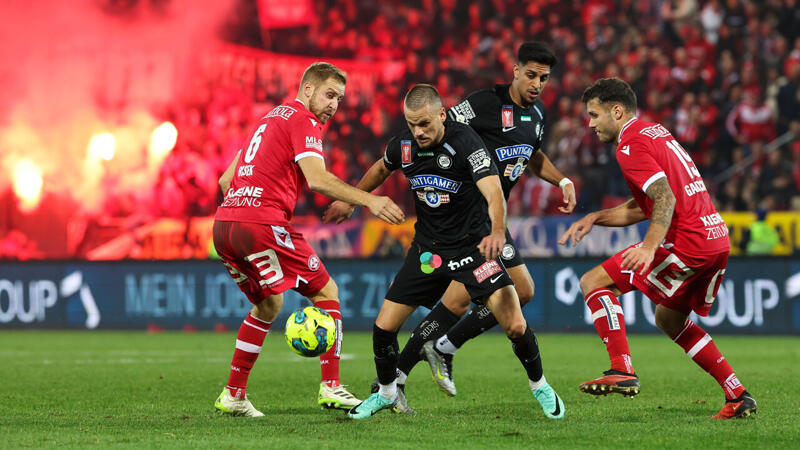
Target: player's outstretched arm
(340, 211)
(492, 245)
(640, 258)
(323, 182)
(227, 176)
(623, 215)
(541, 166)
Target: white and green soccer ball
(310, 331)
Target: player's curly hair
(611, 90)
(320, 72)
(421, 95)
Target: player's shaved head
(320, 72)
(422, 95)
(611, 90)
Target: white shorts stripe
(602, 312)
(248, 347)
(699, 346)
(257, 328)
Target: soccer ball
(310, 331)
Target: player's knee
(524, 292)
(268, 308)
(670, 324)
(588, 283)
(328, 292)
(516, 328)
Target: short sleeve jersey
(451, 210)
(512, 134)
(647, 152)
(267, 179)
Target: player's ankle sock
(385, 348)
(610, 325)
(475, 322)
(389, 391)
(435, 324)
(329, 361)
(526, 347)
(701, 348)
(538, 383)
(401, 377)
(444, 346)
(248, 345)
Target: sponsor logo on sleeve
(486, 270)
(508, 252)
(479, 160)
(463, 112)
(314, 143)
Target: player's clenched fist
(338, 211)
(578, 230)
(385, 209)
(491, 245)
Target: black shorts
(425, 275)
(510, 254)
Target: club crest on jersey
(433, 198)
(434, 181)
(513, 172)
(514, 151)
(508, 252)
(507, 116)
(313, 263)
(405, 151)
(444, 161)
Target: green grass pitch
(132, 389)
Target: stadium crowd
(723, 76)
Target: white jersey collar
(625, 127)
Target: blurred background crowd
(723, 76)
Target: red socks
(610, 324)
(329, 362)
(248, 345)
(699, 346)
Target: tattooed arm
(663, 207)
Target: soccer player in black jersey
(460, 234)
(509, 118)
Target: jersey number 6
(255, 143)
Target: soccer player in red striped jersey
(681, 261)
(254, 237)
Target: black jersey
(451, 210)
(512, 134)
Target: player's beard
(322, 113)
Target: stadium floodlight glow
(101, 146)
(27, 179)
(162, 140)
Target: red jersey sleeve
(638, 164)
(305, 134)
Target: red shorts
(267, 259)
(679, 282)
